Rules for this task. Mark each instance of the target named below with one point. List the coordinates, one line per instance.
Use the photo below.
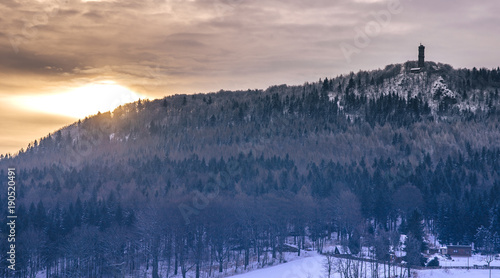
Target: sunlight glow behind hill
(81, 102)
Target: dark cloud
(26, 62)
(93, 15)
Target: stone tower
(421, 50)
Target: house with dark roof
(458, 250)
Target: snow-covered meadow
(313, 267)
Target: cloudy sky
(62, 56)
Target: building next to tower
(421, 60)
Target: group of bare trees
(232, 233)
(351, 267)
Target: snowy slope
(310, 267)
(313, 267)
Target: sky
(61, 60)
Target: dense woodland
(207, 182)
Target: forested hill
(384, 122)
(381, 142)
(388, 112)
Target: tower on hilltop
(421, 60)
(421, 56)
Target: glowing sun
(83, 101)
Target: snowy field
(464, 261)
(309, 267)
(312, 267)
(458, 273)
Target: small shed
(341, 250)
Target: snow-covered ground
(308, 267)
(313, 267)
(457, 273)
(464, 261)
